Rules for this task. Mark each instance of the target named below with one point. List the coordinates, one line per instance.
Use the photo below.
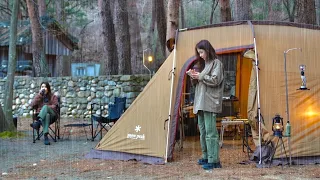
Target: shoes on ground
(36, 125)
(210, 166)
(217, 165)
(46, 139)
(202, 161)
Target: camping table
(225, 123)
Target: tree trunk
(123, 37)
(61, 68)
(274, 10)
(38, 55)
(161, 28)
(172, 19)
(152, 25)
(306, 11)
(42, 8)
(20, 16)
(3, 122)
(318, 11)
(243, 10)
(58, 7)
(183, 21)
(225, 10)
(42, 14)
(8, 125)
(109, 64)
(60, 11)
(135, 38)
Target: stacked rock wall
(76, 93)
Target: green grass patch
(11, 134)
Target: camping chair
(114, 113)
(54, 132)
(121, 99)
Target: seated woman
(46, 105)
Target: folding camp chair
(121, 99)
(54, 132)
(114, 113)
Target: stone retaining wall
(77, 93)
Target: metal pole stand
(245, 139)
(282, 148)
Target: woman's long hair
(205, 45)
(48, 87)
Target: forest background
(115, 32)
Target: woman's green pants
(209, 137)
(47, 116)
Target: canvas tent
(146, 131)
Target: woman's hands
(42, 91)
(193, 74)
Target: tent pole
(171, 92)
(258, 88)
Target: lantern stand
(147, 55)
(287, 101)
(277, 128)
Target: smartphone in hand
(190, 72)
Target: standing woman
(46, 105)
(208, 102)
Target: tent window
(229, 103)
(230, 68)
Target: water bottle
(288, 129)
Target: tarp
(253, 110)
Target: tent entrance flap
(175, 115)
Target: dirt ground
(22, 159)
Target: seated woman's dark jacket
(39, 101)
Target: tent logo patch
(138, 128)
(136, 136)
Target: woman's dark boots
(36, 125)
(46, 139)
(210, 166)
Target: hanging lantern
(277, 125)
(303, 78)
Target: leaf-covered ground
(22, 159)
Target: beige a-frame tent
(146, 131)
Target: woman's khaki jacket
(209, 88)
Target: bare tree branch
(213, 8)
(4, 9)
(287, 6)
